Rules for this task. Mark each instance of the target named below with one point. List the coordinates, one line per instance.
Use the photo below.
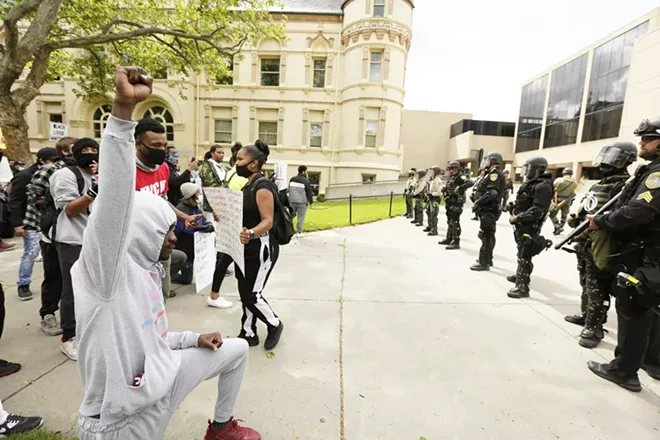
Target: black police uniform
(532, 203)
(487, 208)
(454, 192)
(635, 225)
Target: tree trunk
(15, 131)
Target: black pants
(487, 228)
(454, 212)
(634, 330)
(505, 200)
(582, 272)
(260, 257)
(68, 255)
(2, 310)
(409, 205)
(51, 287)
(598, 287)
(222, 263)
(652, 356)
(419, 211)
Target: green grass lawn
(329, 215)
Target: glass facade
(532, 105)
(565, 103)
(484, 128)
(607, 87)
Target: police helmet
(491, 159)
(436, 170)
(421, 173)
(534, 167)
(649, 127)
(617, 155)
(454, 164)
(568, 171)
(411, 173)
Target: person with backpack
(214, 175)
(300, 196)
(73, 190)
(17, 213)
(260, 215)
(38, 192)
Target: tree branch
(11, 20)
(35, 79)
(172, 48)
(39, 28)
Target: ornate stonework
(378, 29)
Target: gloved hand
(93, 191)
(513, 219)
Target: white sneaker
(70, 349)
(219, 303)
(300, 235)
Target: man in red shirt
(154, 177)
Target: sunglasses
(647, 139)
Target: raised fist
(132, 85)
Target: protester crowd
(114, 225)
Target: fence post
(391, 197)
(350, 209)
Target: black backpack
(50, 213)
(283, 220)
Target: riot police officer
(474, 196)
(594, 248)
(487, 207)
(565, 188)
(418, 195)
(434, 196)
(635, 228)
(408, 192)
(528, 214)
(454, 193)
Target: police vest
(525, 196)
(601, 193)
(566, 188)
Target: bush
(320, 198)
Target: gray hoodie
(121, 325)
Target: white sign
(205, 256)
(58, 131)
(227, 205)
(281, 175)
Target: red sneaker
(231, 431)
(4, 246)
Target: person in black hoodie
(18, 202)
(176, 178)
(531, 206)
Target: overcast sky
(472, 56)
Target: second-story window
(375, 68)
(319, 73)
(379, 8)
(270, 72)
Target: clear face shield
(485, 164)
(613, 157)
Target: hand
(513, 219)
(94, 167)
(592, 224)
(19, 231)
(132, 85)
(245, 236)
(190, 221)
(193, 165)
(93, 191)
(212, 341)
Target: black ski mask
(85, 160)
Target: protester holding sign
(136, 372)
(261, 247)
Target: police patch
(646, 196)
(653, 181)
(493, 177)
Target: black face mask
(243, 171)
(69, 160)
(85, 160)
(155, 156)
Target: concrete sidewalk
(388, 336)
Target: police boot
(419, 224)
(414, 221)
(558, 230)
(444, 242)
(577, 319)
(611, 373)
(520, 291)
(512, 279)
(427, 229)
(433, 233)
(454, 245)
(480, 267)
(591, 337)
(489, 264)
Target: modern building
(596, 96)
(329, 96)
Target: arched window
(101, 119)
(164, 116)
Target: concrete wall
(461, 146)
(425, 136)
(371, 190)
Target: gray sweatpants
(300, 210)
(197, 365)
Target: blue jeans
(30, 254)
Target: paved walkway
(388, 336)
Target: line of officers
(618, 255)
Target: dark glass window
(270, 72)
(483, 128)
(565, 103)
(607, 89)
(532, 105)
